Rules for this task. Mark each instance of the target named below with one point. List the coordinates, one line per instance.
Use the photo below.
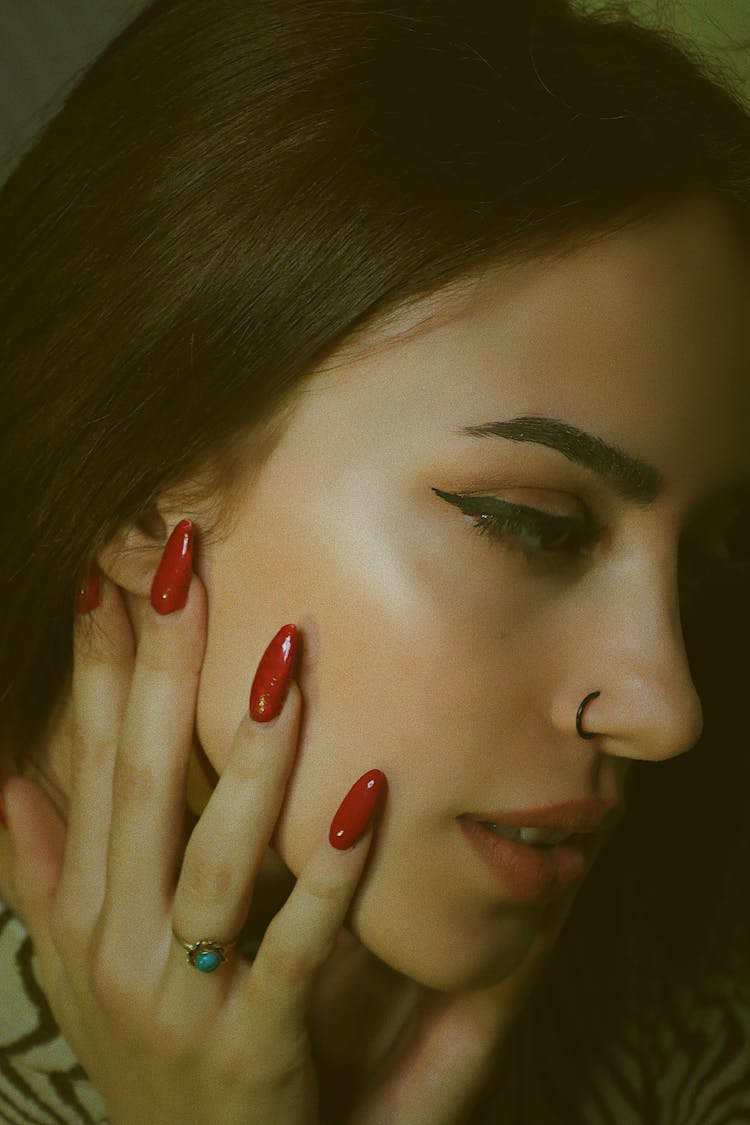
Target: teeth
(544, 836)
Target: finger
(300, 938)
(36, 832)
(103, 655)
(150, 773)
(227, 845)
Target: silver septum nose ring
(581, 731)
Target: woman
(300, 300)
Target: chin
(448, 942)
(442, 958)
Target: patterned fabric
(675, 1052)
(655, 1046)
(41, 1081)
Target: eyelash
(504, 521)
(507, 523)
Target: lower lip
(528, 873)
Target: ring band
(205, 955)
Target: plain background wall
(45, 45)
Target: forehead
(641, 337)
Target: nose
(630, 647)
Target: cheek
(399, 670)
(406, 694)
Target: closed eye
(535, 532)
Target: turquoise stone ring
(205, 955)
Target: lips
(525, 873)
(580, 817)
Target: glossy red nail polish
(271, 683)
(354, 813)
(169, 590)
(88, 595)
(3, 819)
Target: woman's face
(456, 662)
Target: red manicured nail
(169, 590)
(88, 594)
(271, 683)
(354, 813)
(3, 820)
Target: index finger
(151, 763)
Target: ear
(131, 557)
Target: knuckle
(157, 656)
(171, 646)
(287, 956)
(323, 882)
(207, 877)
(160, 674)
(134, 781)
(93, 645)
(246, 765)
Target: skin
(454, 664)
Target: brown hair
(237, 186)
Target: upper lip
(584, 815)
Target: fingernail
(354, 813)
(88, 593)
(3, 819)
(169, 589)
(271, 683)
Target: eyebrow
(631, 478)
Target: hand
(251, 1043)
(421, 1057)
(161, 1041)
